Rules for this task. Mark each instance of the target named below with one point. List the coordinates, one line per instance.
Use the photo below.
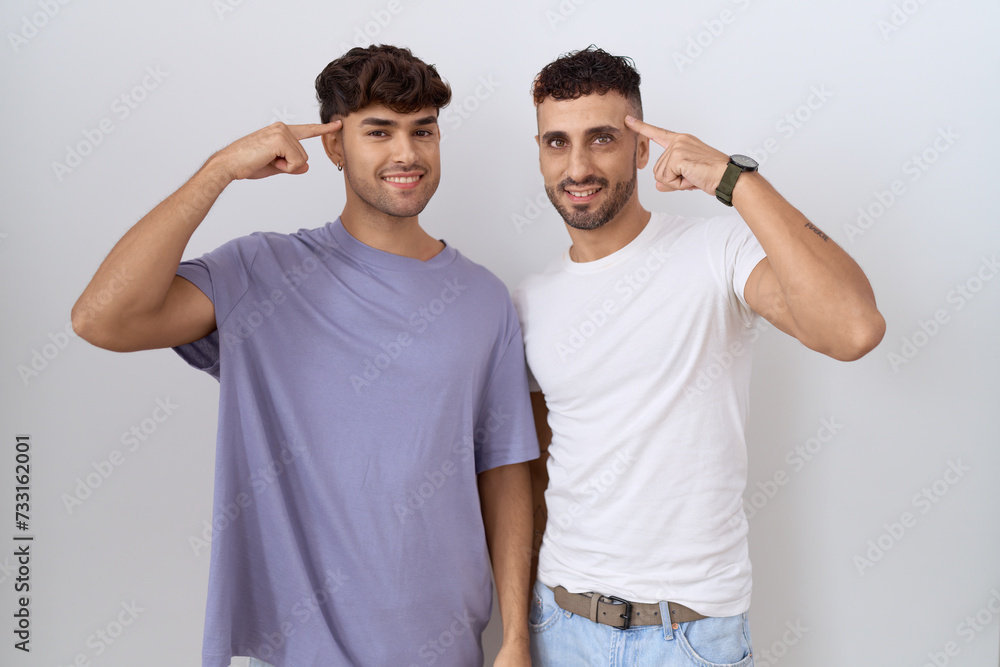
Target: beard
(579, 217)
(374, 195)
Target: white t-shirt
(644, 358)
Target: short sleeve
(505, 427)
(224, 276)
(743, 254)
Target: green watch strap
(724, 192)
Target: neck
(593, 244)
(399, 236)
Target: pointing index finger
(657, 134)
(309, 130)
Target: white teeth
(585, 193)
(402, 179)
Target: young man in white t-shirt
(639, 338)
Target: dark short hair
(379, 74)
(586, 72)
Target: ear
(641, 152)
(333, 144)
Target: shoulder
(716, 226)
(535, 283)
(720, 234)
(284, 247)
(484, 281)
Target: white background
(230, 68)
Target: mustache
(591, 180)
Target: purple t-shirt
(360, 394)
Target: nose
(403, 149)
(578, 168)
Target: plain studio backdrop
(872, 494)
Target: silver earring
(340, 167)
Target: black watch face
(743, 162)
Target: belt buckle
(627, 616)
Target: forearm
(827, 295)
(505, 496)
(136, 275)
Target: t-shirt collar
(382, 259)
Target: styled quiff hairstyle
(586, 72)
(379, 74)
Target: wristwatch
(737, 165)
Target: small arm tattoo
(818, 231)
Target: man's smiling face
(588, 157)
(392, 161)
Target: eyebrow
(385, 122)
(600, 129)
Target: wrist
(718, 172)
(738, 166)
(515, 626)
(516, 639)
(746, 183)
(217, 170)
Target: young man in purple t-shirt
(374, 421)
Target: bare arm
(505, 497)
(807, 286)
(136, 301)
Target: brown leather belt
(619, 613)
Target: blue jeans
(254, 662)
(560, 638)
